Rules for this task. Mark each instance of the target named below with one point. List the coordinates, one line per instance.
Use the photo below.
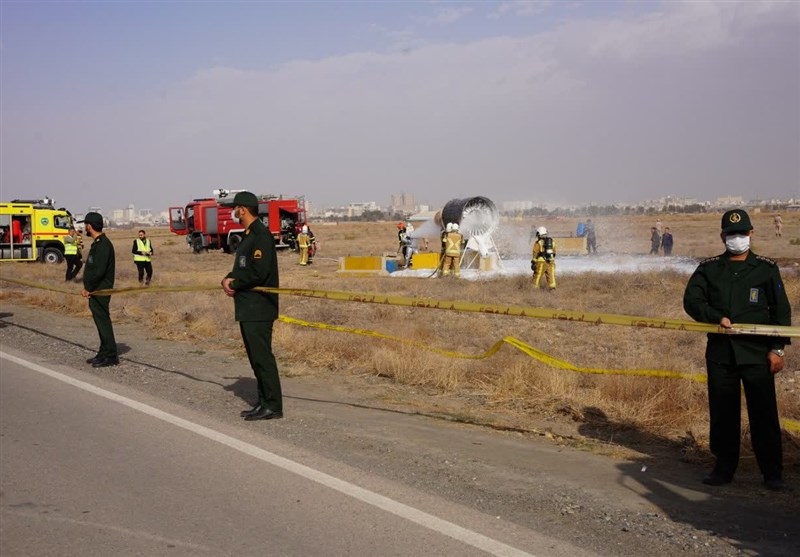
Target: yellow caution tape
(673, 324)
(789, 425)
(541, 313)
(497, 309)
(516, 343)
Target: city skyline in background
(404, 204)
(567, 103)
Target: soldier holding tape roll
(741, 287)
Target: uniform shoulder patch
(710, 260)
(766, 260)
(257, 254)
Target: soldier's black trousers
(724, 402)
(257, 337)
(99, 306)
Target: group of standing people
(660, 238)
(255, 265)
(452, 245)
(737, 286)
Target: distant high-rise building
(403, 203)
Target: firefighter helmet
(401, 225)
(541, 231)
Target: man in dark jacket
(98, 274)
(667, 242)
(741, 287)
(256, 264)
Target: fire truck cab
(33, 230)
(207, 223)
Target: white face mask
(737, 244)
(235, 216)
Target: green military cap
(95, 219)
(736, 220)
(245, 199)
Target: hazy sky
(155, 103)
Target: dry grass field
(508, 389)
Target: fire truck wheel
(197, 245)
(234, 241)
(52, 255)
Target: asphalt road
(86, 471)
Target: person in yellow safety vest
(543, 261)
(142, 251)
(303, 242)
(72, 255)
(452, 251)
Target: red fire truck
(207, 222)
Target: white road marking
(429, 521)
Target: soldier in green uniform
(741, 287)
(99, 275)
(256, 264)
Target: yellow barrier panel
(789, 425)
(429, 261)
(571, 245)
(362, 265)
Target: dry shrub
(662, 405)
(408, 366)
(204, 327)
(532, 387)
